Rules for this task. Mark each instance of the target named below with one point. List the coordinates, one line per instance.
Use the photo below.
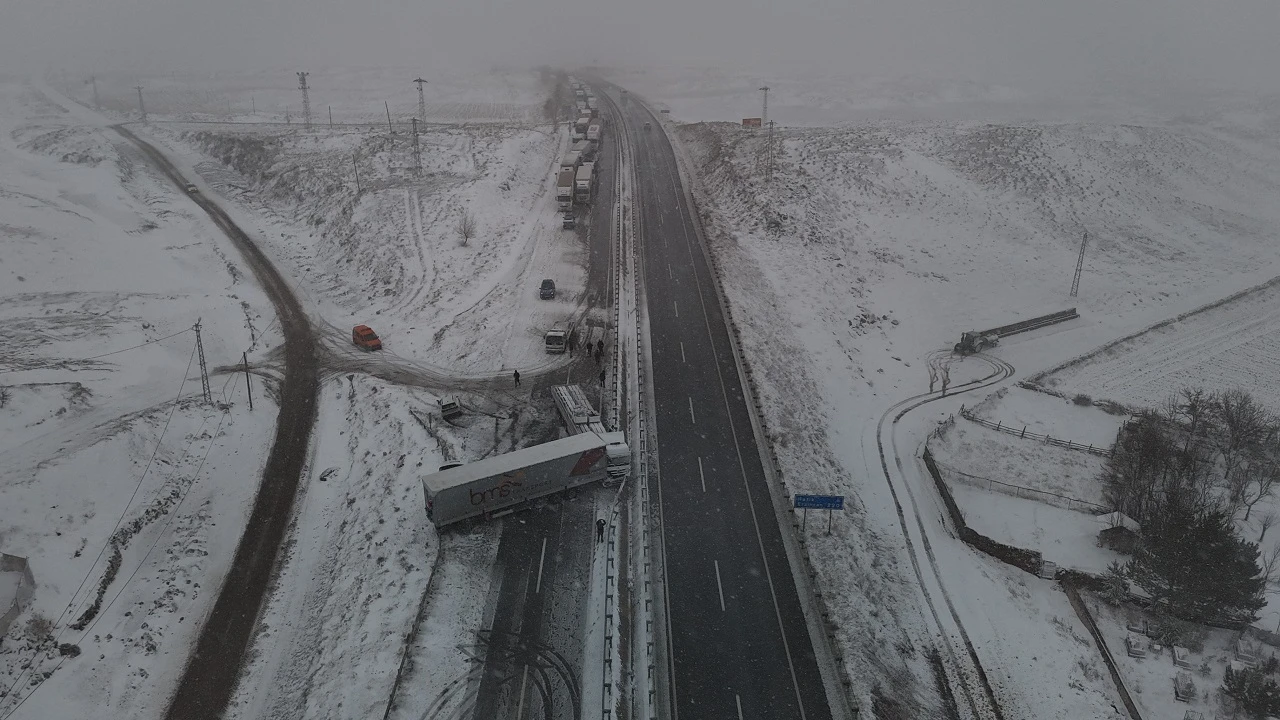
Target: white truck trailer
(505, 481)
(571, 160)
(582, 183)
(564, 190)
(593, 132)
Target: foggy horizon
(1091, 45)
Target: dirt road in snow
(210, 675)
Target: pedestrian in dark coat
(516, 375)
(600, 530)
(601, 378)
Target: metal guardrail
(1059, 442)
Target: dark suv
(548, 290)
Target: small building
(16, 588)
(1119, 533)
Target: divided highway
(738, 643)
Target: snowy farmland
(877, 244)
(125, 491)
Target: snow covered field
(878, 244)
(114, 461)
(1234, 345)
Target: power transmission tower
(764, 110)
(306, 99)
(390, 129)
(287, 119)
(1075, 282)
(204, 369)
(356, 165)
(417, 156)
(94, 81)
(422, 102)
(141, 108)
(768, 169)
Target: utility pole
(287, 120)
(141, 108)
(248, 387)
(417, 155)
(356, 165)
(94, 81)
(764, 110)
(253, 106)
(422, 103)
(1075, 282)
(204, 369)
(330, 116)
(389, 128)
(306, 99)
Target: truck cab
(568, 221)
(647, 125)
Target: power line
(55, 363)
(71, 605)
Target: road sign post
(818, 502)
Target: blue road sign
(820, 502)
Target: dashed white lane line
(682, 358)
(676, 305)
(738, 700)
(692, 419)
(542, 558)
(719, 587)
(702, 477)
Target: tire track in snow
(982, 705)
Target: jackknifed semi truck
(506, 481)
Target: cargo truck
(571, 160)
(593, 132)
(505, 481)
(584, 121)
(582, 183)
(564, 190)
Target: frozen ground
(390, 255)
(880, 243)
(1234, 345)
(114, 453)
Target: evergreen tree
(1255, 692)
(1193, 566)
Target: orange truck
(364, 337)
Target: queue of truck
(575, 181)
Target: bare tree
(1270, 562)
(466, 226)
(1266, 521)
(1240, 426)
(1258, 482)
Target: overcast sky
(1028, 43)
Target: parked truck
(505, 481)
(571, 160)
(593, 132)
(978, 340)
(584, 121)
(582, 183)
(564, 190)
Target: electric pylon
(422, 102)
(1075, 282)
(204, 369)
(306, 99)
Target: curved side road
(210, 676)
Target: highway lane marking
(719, 587)
(733, 430)
(700, 475)
(669, 275)
(538, 588)
(682, 358)
(738, 700)
(524, 683)
(692, 419)
(677, 307)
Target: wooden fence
(1023, 433)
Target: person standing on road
(600, 530)
(516, 375)
(572, 342)
(600, 347)
(601, 377)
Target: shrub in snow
(39, 629)
(1082, 399)
(1172, 631)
